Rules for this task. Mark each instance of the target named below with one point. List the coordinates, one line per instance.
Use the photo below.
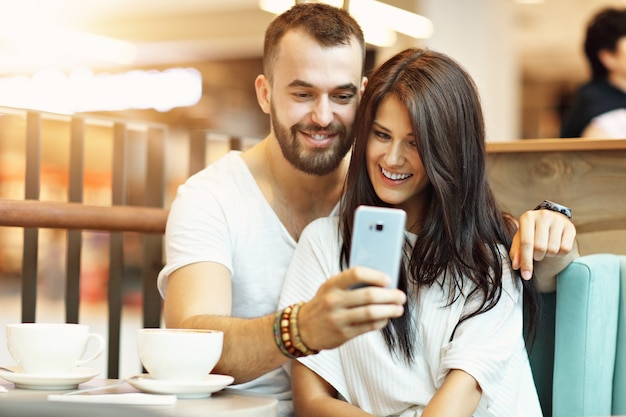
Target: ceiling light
(52, 91)
(378, 13)
(279, 6)
(378, 35)
(275, 6)
(47, 44)
(377, 19)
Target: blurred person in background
(599, 108)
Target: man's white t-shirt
(220, 215)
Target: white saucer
(183, 389)
(48, 382)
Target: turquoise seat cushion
(619, 379)
(588, 301)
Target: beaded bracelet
(295, 333)
(287, 335)
(282, 336)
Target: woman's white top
(489, 347)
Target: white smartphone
(377, 240)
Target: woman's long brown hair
(460, 240)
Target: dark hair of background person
(463, 226)
(603, 31)
(328, 25)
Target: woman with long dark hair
(458, 349)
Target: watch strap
(552, 206)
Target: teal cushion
(587, 299)
(619, 380)
(541, 352)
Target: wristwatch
(549, 205)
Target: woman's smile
(394, 176)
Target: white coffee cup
(51, 348)
(179, 354)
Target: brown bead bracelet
(287, 334)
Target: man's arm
(333, 316)
(193, 300)
(549, 239)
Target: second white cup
(179, 354)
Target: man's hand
(543, 234)
(338, 313)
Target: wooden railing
(148, 217)
(588, 175)
(77, 216)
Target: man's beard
(319, 161)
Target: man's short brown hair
(329, 26)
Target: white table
(226, 403)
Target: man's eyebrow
(300, 83)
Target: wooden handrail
(61, 215)
(556, 145)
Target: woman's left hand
(547, 237)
